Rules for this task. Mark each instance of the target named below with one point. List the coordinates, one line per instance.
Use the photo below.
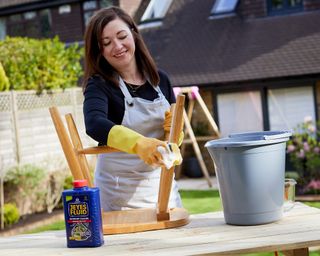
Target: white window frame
(223, 7)
(240, 112)
(156, 10)
(288, 107)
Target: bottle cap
(80, 183)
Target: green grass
(313, 204)
(59, 225)
(201, 201)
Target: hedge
(4, 81)
(38, 64)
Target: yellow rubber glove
(167, 126)
(127, 140)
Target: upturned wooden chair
(126, 221)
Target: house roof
(7, 3)
(196, 50)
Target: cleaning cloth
(170, 155)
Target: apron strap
(127, 95)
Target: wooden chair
(126, 221)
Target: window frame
(230, 11)
(24, 24)
(93, 10)
(148, 20)
(263, 88)
(285, 10)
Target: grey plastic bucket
(250, 173)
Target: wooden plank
(207, 113)
(201, 138)
(137, 220)
(183, 146)
(297, 252)
(197, 149)
(98, 150)
(207, 234)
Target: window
(90, 7)
(31, 24)
(2, 28)
(240, 112)
(45, 21)
(224, 7)
(156, 10)
(65, 9)
(289, 106)
(284, 6)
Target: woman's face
(118, 45)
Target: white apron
(124, 180)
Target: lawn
(195, 201)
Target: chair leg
(66, 144)
(167, 175)
(75, 138)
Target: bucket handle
(278, 135)
(284, 134)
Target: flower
(306, 146)
(303, 150)
(307, 119)
(314, 184)
(290, 148)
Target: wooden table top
(207, 234)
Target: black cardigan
(104, 106)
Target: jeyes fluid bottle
(82, 214)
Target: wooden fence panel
(27, 134)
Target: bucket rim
(251, 139)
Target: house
(257, 63)
(48, 18)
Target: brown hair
(96, 64)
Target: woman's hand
(167, 126)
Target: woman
(126, 98)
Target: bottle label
(78, 221)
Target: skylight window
(224, 6)
(156, 10)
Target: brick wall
(68, 26)
(252, 8)
(130, 6)
(258, 8)
(310, 5)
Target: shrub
(33, 189)
(26, 177)
(25, 185)
(4, 81)
(304, 154)
(11, 214)
(33, 64)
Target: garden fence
(27, 134)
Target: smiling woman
(126, 98)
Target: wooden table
(207, 234)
